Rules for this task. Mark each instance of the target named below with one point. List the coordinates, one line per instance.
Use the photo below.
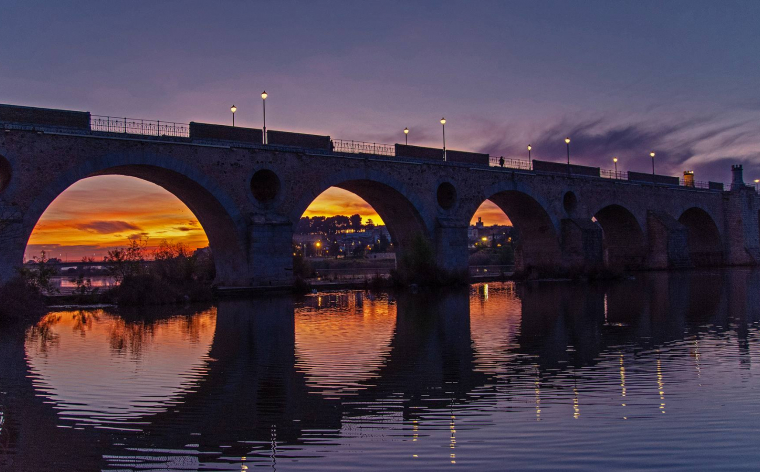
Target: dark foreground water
(656, 373)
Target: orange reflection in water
(132, 369)
(495, 316)
(343, 339)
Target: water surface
(658, 372)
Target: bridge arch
(703, 237)
(623, 239)
(220, 218)
(401, 210)
(536, 238)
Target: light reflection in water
(473, 379)
(100, 369)
(342, 340)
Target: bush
(39, 275)
(20, 299)
(152, 289)
(175, 276)
(127, 262)
(504, 255)
(418, 266)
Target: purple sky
(620, 78)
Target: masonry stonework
(606, 221)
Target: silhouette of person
(501, 161)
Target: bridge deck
(350, 149)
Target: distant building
(494, 235)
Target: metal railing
(110, 124)
(694, 184)
(511, 163)
(613, 174)
(157, 128)
(361, 147)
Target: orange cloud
(336, 201)
(101, 213)
(98, 214)
(490, 214)
(106, 227)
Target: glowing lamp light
(530, 147)
(651, 154)
(757, 181)
(614, 159)
(406, 130)
(443, 121)
(264, 95)
(233, 108)
(484, 238)
(567, 140)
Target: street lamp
(567, 142)
(406, 136)
(264, 104)
(529, 148)
(233, 109)
(614, 159)
(443, 125)
(651, 154)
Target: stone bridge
(249, 196)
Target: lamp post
(233, 109)
(443, 125)
(406, 136)
(651, 154)
(567, 142)
(614, 159)
(264, 104)
(529, 148)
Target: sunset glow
(336, 201)
(490, 214)
(98, 214)
(101, 213)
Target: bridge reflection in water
(406, 380)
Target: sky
(620, 78)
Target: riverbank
(70, 299)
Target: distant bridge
(249, 196)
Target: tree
(355, 221)
(381, 244)
(39, 274)
(335, 249)
(126, 262)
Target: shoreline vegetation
(172, 274)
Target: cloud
(106, 227)
(679, 144)
(138, 236)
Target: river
(656, 372)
